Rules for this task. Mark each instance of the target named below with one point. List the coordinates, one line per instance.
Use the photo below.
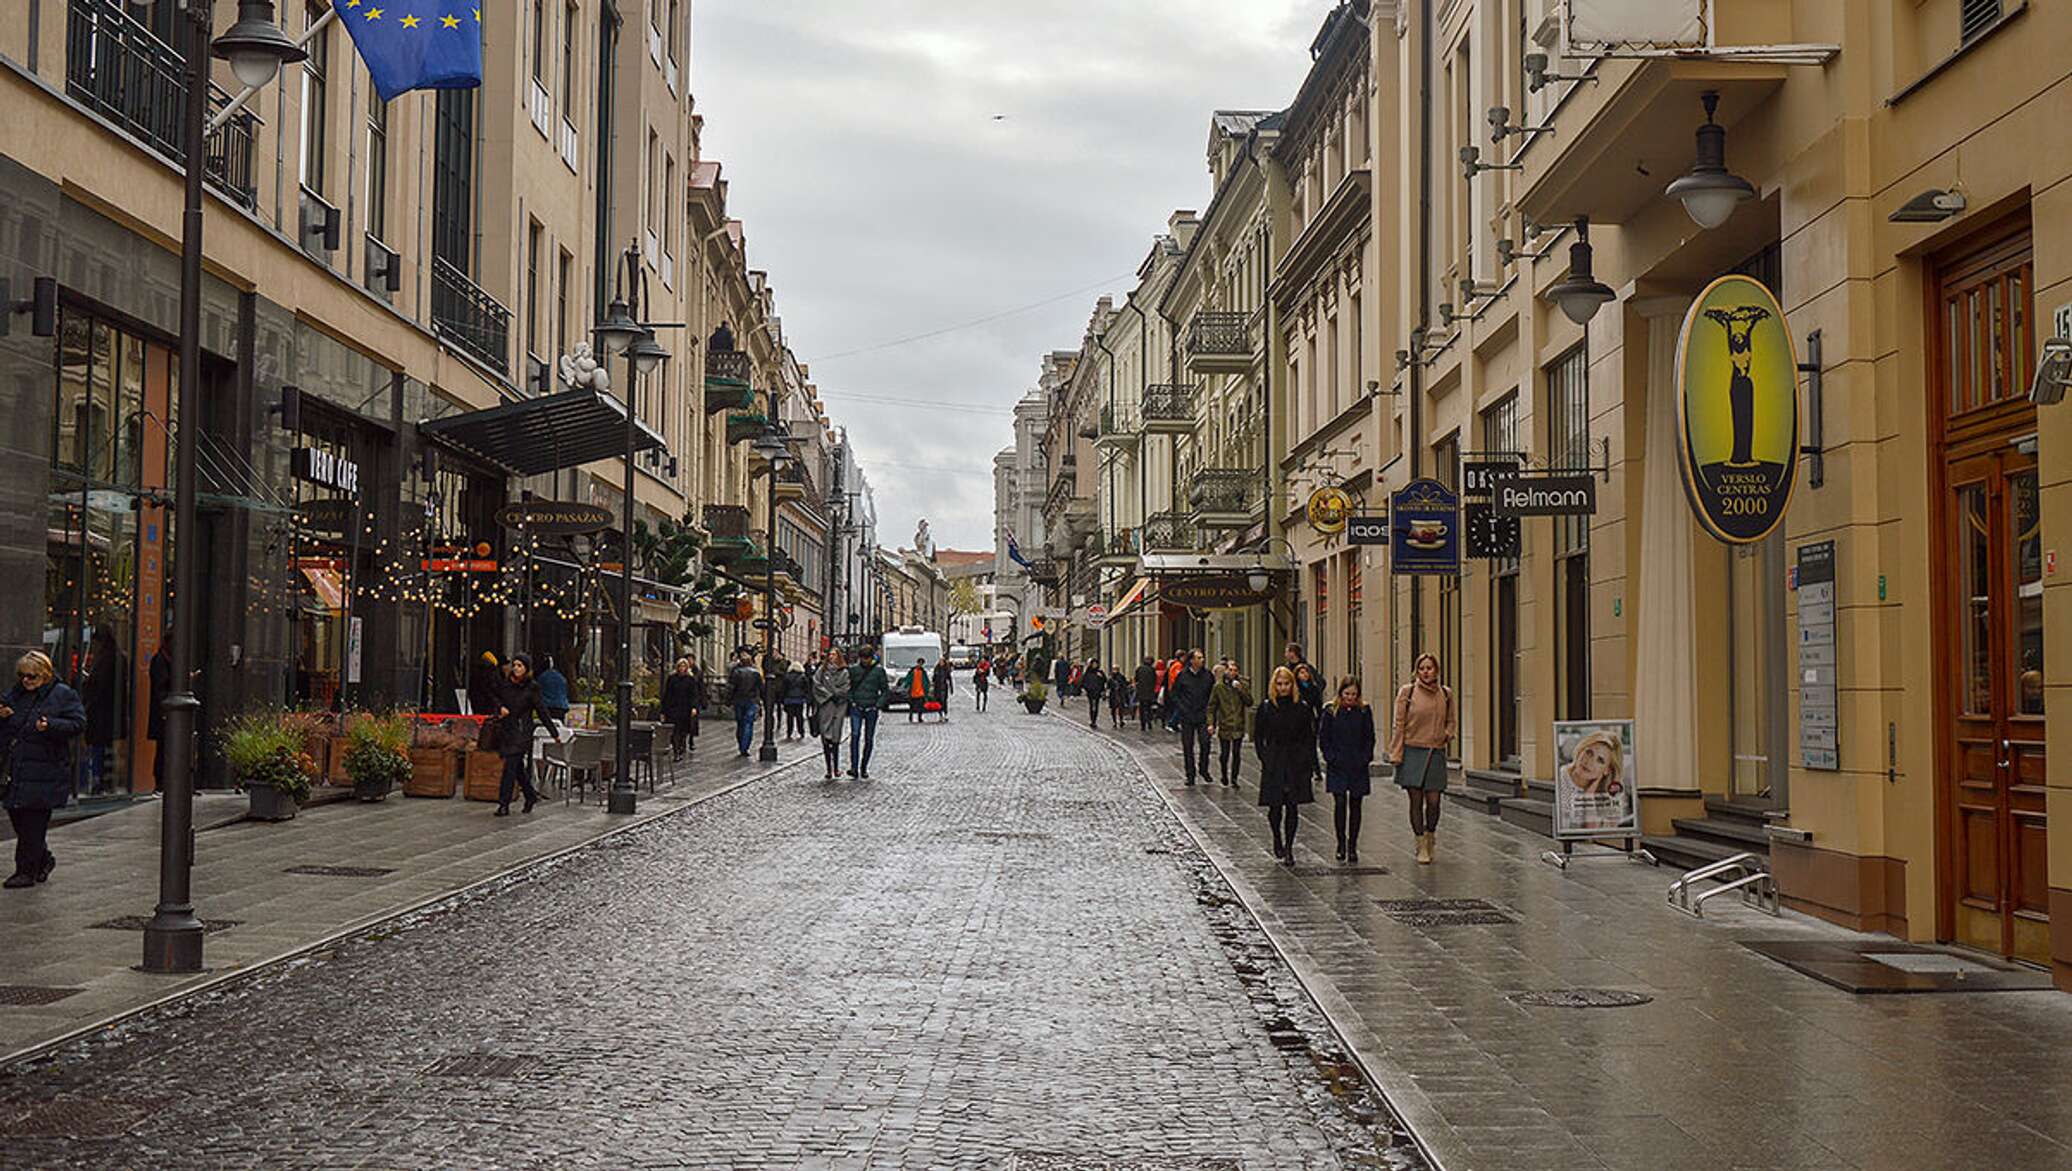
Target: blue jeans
(863, 736)
(744, 725)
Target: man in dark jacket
(1095, 685)
(38, 719)
(1147, 693)
(1187, 701)
(869, 688)
(745, 692)
(798, 689)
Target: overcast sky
(886, 199)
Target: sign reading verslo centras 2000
(1737, 390)
(1528, 495)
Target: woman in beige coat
(1423, 727)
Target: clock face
(1490, 535)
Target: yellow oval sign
(1328, 510)
(1738, 410)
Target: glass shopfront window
(332, 540)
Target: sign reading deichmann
(1738, 403)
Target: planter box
(334, 767)
(434, 772)
(484, 770)
(372, 791)
(270, 804)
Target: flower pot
(1035, 706)
(270, 804)
(371, 790)
(484, 771)
(434, 772)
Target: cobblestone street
(1000, 952)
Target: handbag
(486, 736)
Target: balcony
(728, 526)
(1118, 548)
(1169, 532)
(1115, 431)
(1062, 489)
(727, 377)
(1169, 409)
(1045, 572)
(1219, 343)
(115, 67)
(743, 426)
(1225, 498)
(476, 323)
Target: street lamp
(1709, 191)
(618, 330)
(257, 50)
(776, 454)
(1580, 293)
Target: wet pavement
(1002, 952)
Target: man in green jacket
(868, 688)
(1230, 713)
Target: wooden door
(1990, 585)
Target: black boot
(503, 811)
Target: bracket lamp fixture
(1932, 206)
(41, 306)
(1537, 78)
(1580, 294)
(1471, 163)
(1709, 191)
(1500, 126)
(2053, 372)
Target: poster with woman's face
(1596, 786)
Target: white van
(903, 648)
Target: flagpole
(246, 94)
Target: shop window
(314, 106)
(1569, 446)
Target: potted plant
(268, 752)
(377, 754)
(1034, 696)
(435, 758)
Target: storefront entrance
(1994, 890)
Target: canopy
(1131, 598)
(534, 436)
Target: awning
(1218, 564)
(1136, 594)
(534, 436)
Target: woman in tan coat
(1418, 737)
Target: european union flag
(416, 44)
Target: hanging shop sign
(1425, 529)
(460, 559)
(1491, 536)
(1367, 530)
(1596, 780)
(1819, 710)
(1479, 477)
(324, 468)
(1329, 507)
(1545, 495)
(1738, 404)
(330, 516)
(554, 518)
(1213, 593)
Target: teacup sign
(1738, 410)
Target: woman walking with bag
(519, 707)
(1285, 738)
(831, 709)
(39, 716)
(1346, 735)
(1230, 713)
(1418, 737)
(682, 697)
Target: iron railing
(1121, 543)
(116, 67)
(1169, 531)
(1045, 572)
(1113, 424)
(726, 522)
(1169, 403)
(727, 376)
(1223, 490)
(464, 314)
(1219, 334)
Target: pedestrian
(869, 688)
(1230, 715)
(683, 695)
(745, 693)
(945, 683)
(831, 709)
(1095, 685)
(916, 687)
(1061, 675)
(1174, 666)
(1423, 727)
(39, 716)
(1187, 708)
(101, 690)
(1309, 688)
(1119, 693)
(798, 691)
(485, 684)
(518, 706)
(1147, 693)
(1346, 736)
(1285, 737)
(981, 682)
(554, 691)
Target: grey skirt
(1423, 768)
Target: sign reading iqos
(1738, 406)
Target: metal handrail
(465, 314)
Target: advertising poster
(1596, 782)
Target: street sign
(764, 624)
(1367, 530)
(1819, 718)
(1425, 530)
(1546, 495)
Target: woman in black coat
(683, 697)
(38, 719)
(1346, 736)
(1095, 685)
(518, 710)
(1285, 737)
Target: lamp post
(775, 452)
(256, 49)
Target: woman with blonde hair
(1285, 737)
(1424, 725)
(39, 716)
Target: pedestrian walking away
(798, 691)
(519, 709)
(915, 688)
(744, 694)
(869, 691)
(1346, 737)
(981, 682)
(39, 716)
(1119, 695)
(683, 697)
(1423, 727)
(1147, 693)
(945, 683)
(831, 709)
(1230, 716)
(1095, 685)
(554, 691)
(1285, 737)
(1187, 708)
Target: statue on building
(581, 370)
(924, 545)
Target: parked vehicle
(905, 647)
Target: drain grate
(1581, 998)
(139, 922)
(1045, 1161)
(341, 871)
(1444, 912)
(78, 1118)
(30, 994)
(1010, 835)
(481, 1065)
